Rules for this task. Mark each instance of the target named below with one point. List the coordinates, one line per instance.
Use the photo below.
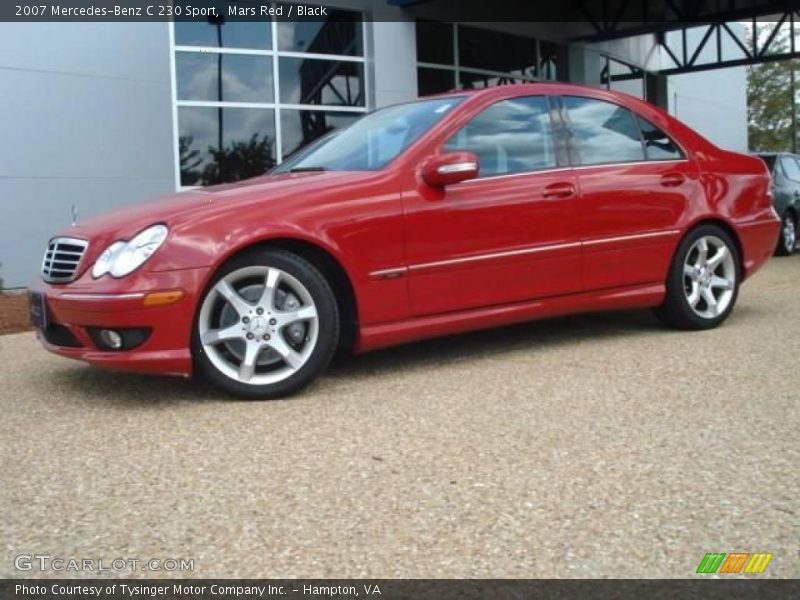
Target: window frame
(566, 124)
(552, 130)
(274, 54)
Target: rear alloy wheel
(267, 326)
(788, 238)
(703, 282)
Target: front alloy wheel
(268, 325)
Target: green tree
(239, 160)
(769, 96)
(190, 160)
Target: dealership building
(96, 116)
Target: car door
(509, 234)
(636, 185)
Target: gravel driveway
(600, 445)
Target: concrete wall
(86, 117)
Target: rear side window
(602, 132)
(657, 144)
(511, 136)
(791, 167)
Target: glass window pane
(228, 34)
(791, 168)
(244, 78)
(218, 145)
(602, 132)
(495, 51)
(509, 137)
(301, 127)
(435, 81)
(658, 144)
(338, 33)
(314, 81)
(435, 42)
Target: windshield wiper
(307, 169)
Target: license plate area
(37, 304)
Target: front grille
(62, 259)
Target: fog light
(111, 338)
(116, 340)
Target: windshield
(373, 141)
(295, 157)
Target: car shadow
(534, 335)
(100, 387)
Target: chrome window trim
(575, 168)
(491, 255)
(635, 236)
(399, 271)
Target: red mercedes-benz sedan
(448, 214)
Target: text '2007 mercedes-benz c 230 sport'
(451, 213)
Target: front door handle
(556, 191)
(672, 179)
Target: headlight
(106, 259)
(123, 258)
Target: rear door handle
(672, 179)
(562, 189)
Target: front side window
(602, 132)
(511, 136)
(372, 142)
(657, 144)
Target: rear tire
(267, 325)
(787, 241)
(703, 280)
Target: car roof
(554, 87)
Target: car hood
(277, 192)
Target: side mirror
(450, 168)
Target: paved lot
(586, 446)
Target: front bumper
(75, 308)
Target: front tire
(703, 281)
(267, 325)
(788, 238)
